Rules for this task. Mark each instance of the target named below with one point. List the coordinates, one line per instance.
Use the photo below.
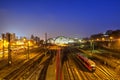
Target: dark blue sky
(73, 18)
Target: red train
(89, 64)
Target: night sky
(72, 18)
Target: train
(88, 63)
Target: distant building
(35, 38)
(22, 38)
(12, 36)
(32, 37)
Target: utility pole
(9, 51)
(28, 50)
(92, 46)
(45, 38)
(3, 36)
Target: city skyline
(59, 18)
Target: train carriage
(89, 64)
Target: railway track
(105, 72)
(80, 68)
(75, 65)
(19, 72)
(70, 71)
(15, 58)
(66, 72)
(102, 71)
(42, 74)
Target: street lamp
(28, 50)
(24, 40)
(9, 50)
(103, 39)
(111, 38)
(97, 39)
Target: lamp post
(28, 50)
(111, 38)
(9, 51)
(24, 40)
(25, 47)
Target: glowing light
(30, 43)
(97, 39)
(103, 39)
(111, 37)
(6, 43)
(24, 39)
(19, 42)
